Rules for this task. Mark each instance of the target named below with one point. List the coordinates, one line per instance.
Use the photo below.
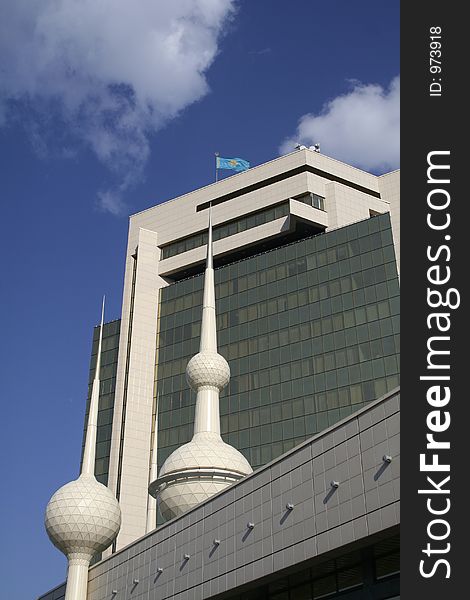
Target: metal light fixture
(251, 525)
(387, 458)
(290, 506)
(334, 484)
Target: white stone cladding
(131, 456)
(389, 185)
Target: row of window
(282, 418)
(347, 348)
(312, 355)
(267, 434)
(288, 309)
(245, 412)
(304, 304)
(347, 275)
(178, 408)
(359, 570)
(372, 318)
(109, 357)
(270, 383)
(343, 367)
(242, 340)
(227, 229)
(305, 349)
(328, 248)
(110, 329)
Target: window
(307, 339)
(387, 558)
(312, 200)
(225, 230)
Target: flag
(236, 164)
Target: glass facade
(109, 357)
(254, 219)
(311, 333)
(372, 573)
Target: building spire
(209, 253)
(208, 342)
(205, 465)
(83, 517)
(88, 463)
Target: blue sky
(105, 114)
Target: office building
(306, 252)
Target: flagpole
(216, 170)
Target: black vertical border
(428, 124)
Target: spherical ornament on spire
(83, 517)
(208, 369)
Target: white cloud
(361, 128)
(111, 201)
(110, 71)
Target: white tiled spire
(83, 517)
(206, 465)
